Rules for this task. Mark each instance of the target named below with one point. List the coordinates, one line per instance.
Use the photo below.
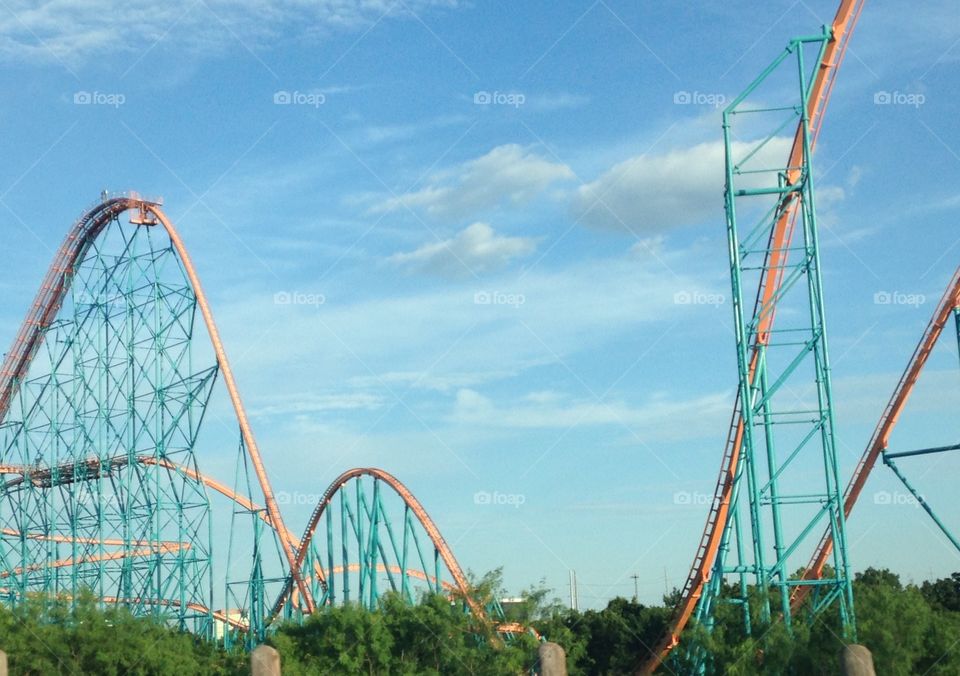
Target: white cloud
(474, 249)
(508, 173)
(71, 31)
(829, 196)
(647, 194)
(649, 247)
(310, 402)
(658, 418)
(400, 381)
(384, 133)
(442, 333)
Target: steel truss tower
(92, 434)
(786, 487)
(102, 398)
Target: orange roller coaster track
(77, 466)
(888, 421)
(768, 294)
(415, 507)
(51, 295)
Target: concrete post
(3, 663)
(552, 659)
(264, 661)
(856, 660)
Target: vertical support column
(956, 317)
(331, 576)
(374, 541)
(404, 585)
(344, 550)
(746, 367)
(776, 427)
(833, 488)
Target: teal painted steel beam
(922, 502)
(922, 451)
(783, 433)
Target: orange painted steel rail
(881, 434)
(159, 548)
(283, 533)
(50, 298)
(41, 316)
(119, 461)
(410, 572)
(411, 501)
(765, 312)
(171, 603)
(462, 585)
(502, 628)
(109, 542)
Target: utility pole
(574, 601)
(636, 592)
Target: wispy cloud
(72, 31)
(312, 402)
(383, 133)
(508, 173)
(658, 418)
(475, 249)
(478, 342)
(652, 193)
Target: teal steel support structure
(102, 399)
(787, 483)
(111, 406)
(888, 460)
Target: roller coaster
(101, 401)
(108, 382)
(775, 433)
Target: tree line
(909, 628)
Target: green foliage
(432, 637)
(609, 641)
(62, 638)
(944, 594)
(909, 630)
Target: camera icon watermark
(104, 301)
(896, 98)
(298, 498)
(694, 498)
(699, 298)
(299, 298)
(85, 98)
(895, 499)
(496, 498)
(283, 97)
(497, 98)
(914, 300)
(695, 98)
(514, 300)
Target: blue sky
(428, 170)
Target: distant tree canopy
(41, 637)
(910, 629)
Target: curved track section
(764, 314)
(43, 312)
(33, 473)
(104, 363)
(888, 421)
(366, 518)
